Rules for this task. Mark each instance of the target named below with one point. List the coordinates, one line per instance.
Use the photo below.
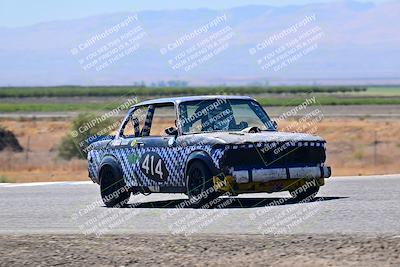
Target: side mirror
(171, 131)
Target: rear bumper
(267, 175)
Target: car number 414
(153, 167)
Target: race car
(205, 146)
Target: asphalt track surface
(345, 205)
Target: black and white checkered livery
(174, 159)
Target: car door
(125, 147)
(150, 159)
(159, 162)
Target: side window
(163, 118)
(140, 115)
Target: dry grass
(39, 161)
(352, 149)
(361, 146)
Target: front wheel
(199, 184)
(304, 194)
(113, 189)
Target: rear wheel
(114, 192)
(301, 193)
(199, 184)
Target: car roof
(177, 100)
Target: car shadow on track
(226, 203)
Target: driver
(218, 118)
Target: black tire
(199, 184)
(114, 192)
(309, 194)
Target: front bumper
(267, 175)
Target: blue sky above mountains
(27, 12)
(360, 42)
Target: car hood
(243, 138)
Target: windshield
(222, 115)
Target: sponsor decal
(134, 143)
(133, 158)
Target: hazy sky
(26, 12)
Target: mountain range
(360, 43)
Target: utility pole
(375, 147)
(27, 149)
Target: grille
(274, 155)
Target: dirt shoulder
(356, 146)
(166, 250)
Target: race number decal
(153, 167)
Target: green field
(51, 107)
(44, 107)
(322, 100)
(330, 100)
(383, 91)
(71, 91)
(268, 96)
